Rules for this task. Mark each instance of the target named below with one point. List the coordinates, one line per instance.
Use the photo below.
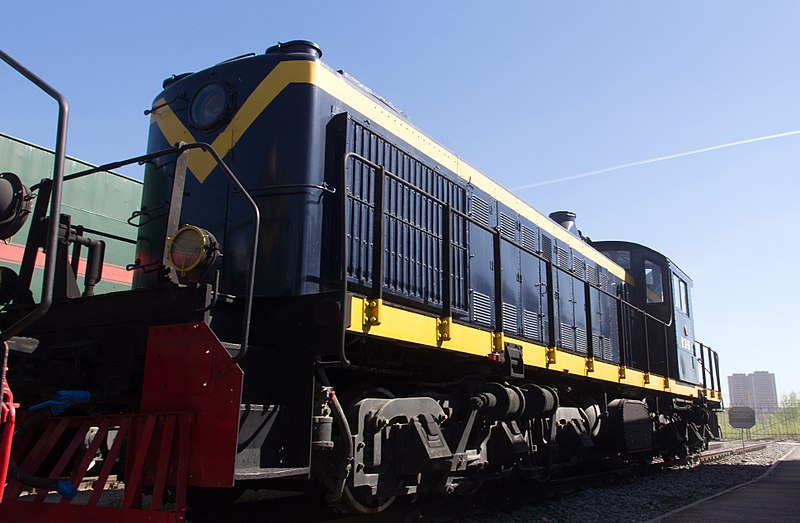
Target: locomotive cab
(662, 291)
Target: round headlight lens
(192, 250)
(209, 106)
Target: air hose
(62, 401)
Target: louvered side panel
(510, 324)
(530, 325)
(580, 341)
(480, 210)
(508, 226)
(529, 238)
(608, 351)
(481, 309)
(578, 268)
(547, 247)
(567, 337)
(592, 275)
(563, 258)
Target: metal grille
(580, 341)
(530, 324)
(547, 247)
(563, 258)
(510, 318)
(603, 279)
(528, 238)
(567, 337)
(591, 274)
(480, 210)
(412, 235)
(608, 351)
(481, 308)
(579, 267)
(508, 226)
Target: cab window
(653, 283)
(681, 294)
(621, 258)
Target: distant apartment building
(756, 390)
(740, 391)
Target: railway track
(494, 498)
(717, 453)
(497, 497)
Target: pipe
(344, 427)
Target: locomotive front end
(262, 123)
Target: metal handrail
(377, 283)
(48, 279)
(177, 151)
(251, 269)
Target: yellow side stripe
(307, 72)
(412, 327)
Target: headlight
(15, 205)
(209, 106)
(192, 251)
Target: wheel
(359, 500)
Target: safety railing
(84, 450)
(709, 367)
(375, 293)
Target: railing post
(666, 357)
(623, 359)
(711, 368)
(498, 292)
(446, 319)
(587, 299)
(703, 363)
(551, 309)
(646, 346)
(373, 312)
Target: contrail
(654, 160)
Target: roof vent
(296, 47)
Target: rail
(448, 213)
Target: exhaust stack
(566, 219)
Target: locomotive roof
(309, 69)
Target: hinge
(666, 383)
(550, 355)
(497, 342)
(622, 373)
(372, 312)
(589, 364)
(646, 378)
(443, 328)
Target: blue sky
(526, 92)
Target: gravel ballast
(648, 497)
